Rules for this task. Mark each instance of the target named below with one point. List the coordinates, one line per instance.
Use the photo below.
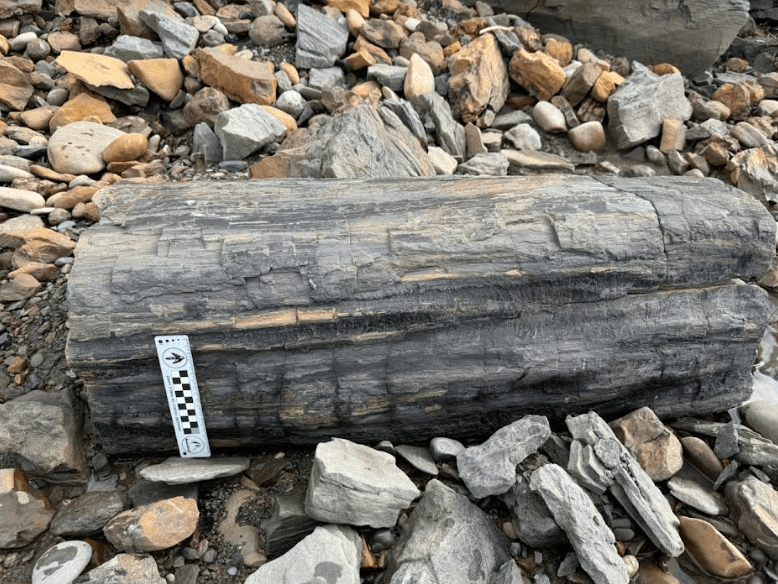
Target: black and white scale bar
(175, 360)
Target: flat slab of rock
(87, 515)
(355, 484)
(96, 70)
(20, 200)
(181, 471)
(320, 39)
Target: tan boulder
(739, 97)
(85, 106)
(655, 447)
(588, 137)
(276, 166)
(242, 80)
(41, 272)
(560, 49)
(387, 34)
(153, 527)
(21, 287)
(162, 76)
(430, 51)
(288, 121)
(380, 55)
(61, 40)
(606, 85)
(478, 83)
(43, 246)
(538, 73)
(126, 148)
(70, 198)
(362, 7)
(711, 551)
(96, 70)
(419, 78)
(38, 118)
(360, 60)
(15, 88)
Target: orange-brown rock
(21, 287)
(84, 106)
(291, 71)
(377, 53)
(478, 82)
(650, 573)
(362, 7)
(15, 88)
(560, 49)
(711, 551)
(387, 34)
(430, 51)
(579, 84)
(242, 80)
(739, 97)
(153, 527)
(360, 60)
(61, 40)
(538, 73)
(38, 118)
(605, 85)
(126, 148)
(288, 121)
(276, 166)
(162, 76)
(664, 69)
(354, 21)
(654, 446)
(96, 70)
(451, 49)
(716, 153)
(530, 38)
(41, 272)
(47, 173)
(673, 136)
(42, 245)
(71, 198)
(284, 15)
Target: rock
(755, 171)
(490, 468)
(690, 487)
(267, 31)
(327, 77)
(509, 119)
(703, 109)
(538, 73)
(125, 569)
(78, 148)
(739, 97)
(87, 515)
(638, 107)
(702, 457)
(579, 84)
(45, 430)
(361, 7)
(15, 89)
(126, 148)
(181, 471)
(754, 448)
(354, 484)
(144, 492)
(330, 554)
(178, 38)
(205, 105)
(573, 510)
(9, 174)
(588, 137)
(711, 551)
(207, 144)
(131, 48)
(478, 81)
(606, 85)
(242, 80)
(62, 563)
(447, 539)
(549, 117)
(388, 75)
(632, 487)
(692, 36)
(386, 34)
(10, 8)
(587, 469)
(445, 449)
(287, 524)
(530, 517)
(442, 161)
(407, 114)
(756, 513)
(523, 137)
(96, 70)
(418, 79)
(153, 527)
(20, 200)
(19, 288)
(762, 416)
(292, 103)
(24, 513)
(748, 135)
(673, 136)
(162, 76)
(430, 51)
(320, 39)
(244, 130)
(419, 457)
(726, 445)
(654, 446)
(486, 164)
(85, 106)
(521, 162)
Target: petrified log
(406, 309)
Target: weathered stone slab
(321, 308)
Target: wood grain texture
(406, 309)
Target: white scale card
(175, 360)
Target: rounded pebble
(126, 148)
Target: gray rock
(178, 38)
(358, 485)
(726, 441)
(77, 148)
(521, 162)
(206, 143)
(754, 448)
(692, 488)
(327, 77)
(756, 513)
(20, 200)
(129, 48)
(533, 522)
(447, 539)
(748, 135)
(585, 467)
(287, 525)
(557, 449)
(403, 109)
(320, 39)
(15, 162)
(125, 569)
(44, 429)
(267, 31)
(707, 129)
(244, 130)
(445, 449)
(435, 111)
(419, 457)
(523, 137)
(138, 95)
(292, 103)
(490, 468)
(443, 162)
(592, 540)
(25, 516)
(488, 164)
(144, 492)
(9, 173)
(331, 555)
(507, 120)
(178, 471)
(726, 474)
(88, 514)
(637, 108)
(62, 563)
(690, 35)
(390, 76)
(762, 416)
(633, 488)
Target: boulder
(320, 39)
(153, 527)
(78, 148)
(652, 443)
(244, 130)
(755, 506)
(243, 80)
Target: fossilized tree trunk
(406, 309)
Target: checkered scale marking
(185, 402)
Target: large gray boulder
(690, 34)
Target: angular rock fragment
(25, 513)
(96, 70)
(447, 539)
(358, 485)
(490, 468)
(153, 527)
(521, 162)
(486, 164)
(585, 467)
(320, 39)
(15, 88)
(538, 73)
(242, 80)
(181, 471)
(534, 524)
(756, 171)
(573, 510)
(450, 134)
(244, 130)
(178, 38)
(128, 48)
(287, 525)
(692, 488)
(87, 515)
(125, 569)
(754, 448)
(756, 513)
(654, 446)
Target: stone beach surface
(98, 91)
